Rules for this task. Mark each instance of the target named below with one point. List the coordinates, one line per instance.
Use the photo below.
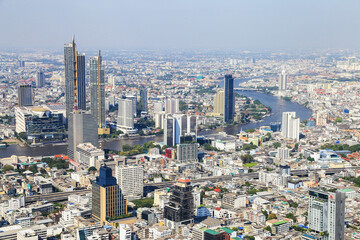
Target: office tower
(74, 79)
(290, 125)
(229, 106)
(172, 106)
(40, 79)
(219, 103)
(283, 80)
(143, 99)
(179, 128)
(187, 152)
(180, 208)
(108, 202)
(82, 129)
(327, 212)
(97, 88)
(131, 180)
(25, 97)
(125, 121)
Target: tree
(276, 145)
(43, 171)
(267, 228)
(266, 214)
(247, 158)
(7, 168)
(92, 169)
(33, 168)
(271, 216)
(250, 130)
(291, 216)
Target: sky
(180, 24)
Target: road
(63, 196)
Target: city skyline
(255, 25)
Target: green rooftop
(280, 222)
(345, 190)
(212, 232)
(227, 230)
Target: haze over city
(181, 24)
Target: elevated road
(55, 197)
(63, 196)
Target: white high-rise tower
(290, 125)
(283, 80)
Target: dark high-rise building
(143, 99)
(327, 213)
(180, 208)
(25, 97)
(74, 79)
(40, 79)
(229, 103)
(108, 203)
(97, 87)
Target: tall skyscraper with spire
(74, 79)
(81, 125)
(97, 88)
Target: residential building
(219, 103)
(172, 106)
(97, 89)
(126, 113)
(327, 213)
(131, 180)
(290, 125)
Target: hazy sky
(184, 24)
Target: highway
(54, 197)
(63, 196)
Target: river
(277, 105)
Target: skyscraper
(178, 127)
(290, 125)
(40, 79)
(143, 99)
(82, 126)
(108, 202)
(229, 106)
(180, 208)
(219, 103)
(283, 80)
(25, 97)
(97, 88)
(82, 129)
(327, 213)
(74, 79)
(125, 121)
